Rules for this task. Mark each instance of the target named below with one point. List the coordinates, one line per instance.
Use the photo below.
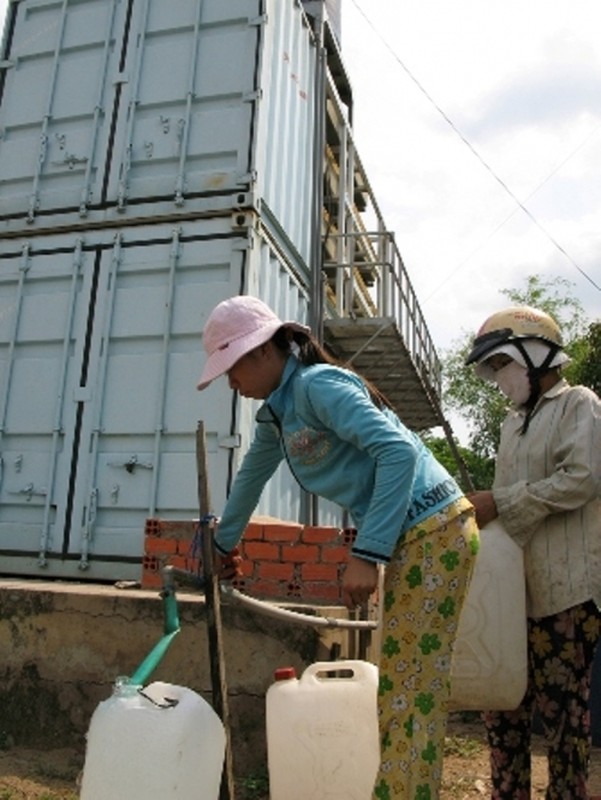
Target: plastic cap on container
(284, 674)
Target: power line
(474, 152)
(509, 216)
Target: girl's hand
(359, 582)
(228, 567)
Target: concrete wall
(63, 644)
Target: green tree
(480, 403)
(555, 297)
(586, 354)
(479, 468)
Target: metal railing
(363, 270)
(391, 296)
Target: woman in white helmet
(546, 494)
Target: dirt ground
(53, 774)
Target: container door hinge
(248, 178)
(252, 97)
(254, 22)
(230, 442)
(241, 245)
(6, 64)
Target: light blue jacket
(342, 447)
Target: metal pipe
(273, 610)
(172, 576)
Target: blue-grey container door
(60, 79)
(184, 123)
(138, 458)
(44, 296)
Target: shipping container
(114, 111)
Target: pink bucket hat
(235, 327)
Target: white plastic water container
(489, 667)
(161, 744)
(322, 732)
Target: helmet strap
(534, 374)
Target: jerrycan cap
(284, 674)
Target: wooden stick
(213, 612)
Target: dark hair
(310, 352)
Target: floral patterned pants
(424, 588)
(561, 649)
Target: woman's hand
(486, 508)
(229, 566)
(359, 582)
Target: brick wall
(281, 561)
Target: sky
(479, 127)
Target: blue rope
(195, 549)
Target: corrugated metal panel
(275, 283)
(146, 108)
(286, 140)
(99, 357)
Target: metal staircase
(371, 316)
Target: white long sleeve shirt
(547, 491)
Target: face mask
(513, 381)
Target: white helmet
(513, 326)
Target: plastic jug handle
(348, 670)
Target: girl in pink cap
(342, 441)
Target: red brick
(185, 551)
(319, 572)
(156, 546)
(320, 535)
(274, 532)
(262, 551)
(349, 535)
(294, 589)
(189, 564)
(171, 528)
(337, 554)
(150, 563)
(271, 589)
(323, 592)
(300, 552)
(151, 580)
(254, 530)
(274, 570)
(152, 527)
